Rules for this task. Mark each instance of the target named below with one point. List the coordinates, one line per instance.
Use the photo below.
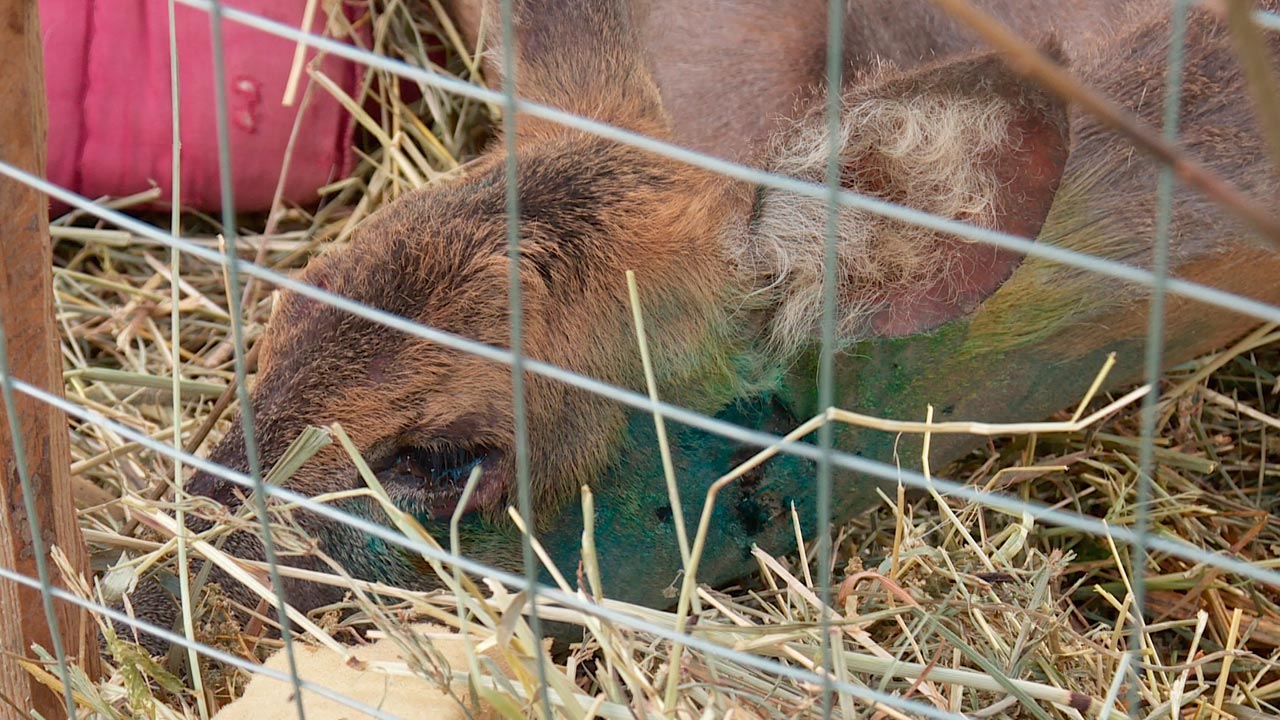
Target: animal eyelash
(433, 466)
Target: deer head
(730, 277)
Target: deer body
(730, 279)
(730, 70)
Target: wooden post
(26, 306)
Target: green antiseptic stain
(891, 378)
(1003, 364)
(635, 525)
(1043, 296)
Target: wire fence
(827, 456)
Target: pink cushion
(107, 82)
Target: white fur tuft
(928, 152)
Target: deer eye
(432, 477)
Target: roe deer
(730, 278)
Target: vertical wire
(826, 363)
(33, 522)
(1155, 348)
(175, 358)
(515, 310)
(259, 496)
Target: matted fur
(918, 151)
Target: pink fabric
(107, 83)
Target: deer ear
(967, 140)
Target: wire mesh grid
(832, 688)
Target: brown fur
(728, 284)
(1108, 203)
(446, 261)
(731, 71)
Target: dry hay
(956, 606)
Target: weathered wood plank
(26, 307)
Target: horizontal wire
(1266, 19)
(1111, 268)
(260, 669)
(586, 606)
(468, 565)
(1195, 291)
(643, 402)
(204, 649)
(1037, 511)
